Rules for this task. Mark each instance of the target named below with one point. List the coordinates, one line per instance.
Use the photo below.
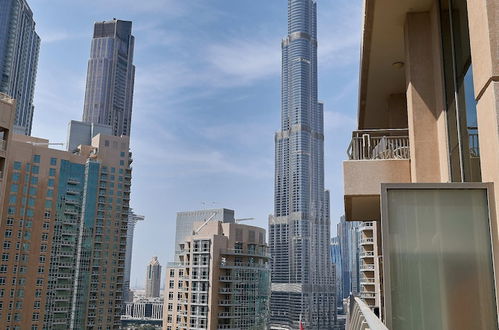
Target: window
(53, 161)
(2, 280)
(10, 221)
(14, 187)
(51, 182)
(6, 245)
(36, 305)
(34, 180)
(52, 172)
(5, 257)
(16, 177)
(35, 169)
(36, 159)
(50, 193)
(39, 281)
(3, 268)
(17, 165)
(48, 204)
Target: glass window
(14, 187)
(51, 182)
(464, 149)
(437, 250)
(34, 180)
(36, 158)
(53, 161)
(35, 169)
(52, 172)
(17, 165)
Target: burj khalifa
(302, 274)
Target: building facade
(110, 77)
(19, 49)
(349, 241)
(423, 167)
(302, 274)
(221, 281)
(60, 268)
(7, 117)
(336, 260)
(153, 278)
(143, 312)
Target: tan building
(7, 117)
(424, 162)
(63, 235)
(222, 280)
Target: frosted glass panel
(440, 259)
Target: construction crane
(244, 219)
(195, 232)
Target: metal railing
(379, 144)
(473, 142)
(361, 317)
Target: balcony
(366, 226)
(361, 317)
(374, 157)
(366, 267)
(368, 240)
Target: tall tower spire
(302, 277)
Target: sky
(206, 104)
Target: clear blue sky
(207, 100)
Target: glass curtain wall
(464, 151)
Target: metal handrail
(361, 317)
(379, 144)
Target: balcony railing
(361, 317)
(379, 144)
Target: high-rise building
(221, 280)
(423, 165)
(153, 278)
(133, 219)
(19, 48)
(63, 249)
(336, 260)
(110, 77)
(348, 237)
(302, 273)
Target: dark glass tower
(302, 275)
(110, 77)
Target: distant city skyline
(201, 87)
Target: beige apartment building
(7, 117)
(423, 165)
(63, 234)
(221, 281)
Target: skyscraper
(19, 48)
(110, 77)
(302, 276)
(153, 278)
(130, 231)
